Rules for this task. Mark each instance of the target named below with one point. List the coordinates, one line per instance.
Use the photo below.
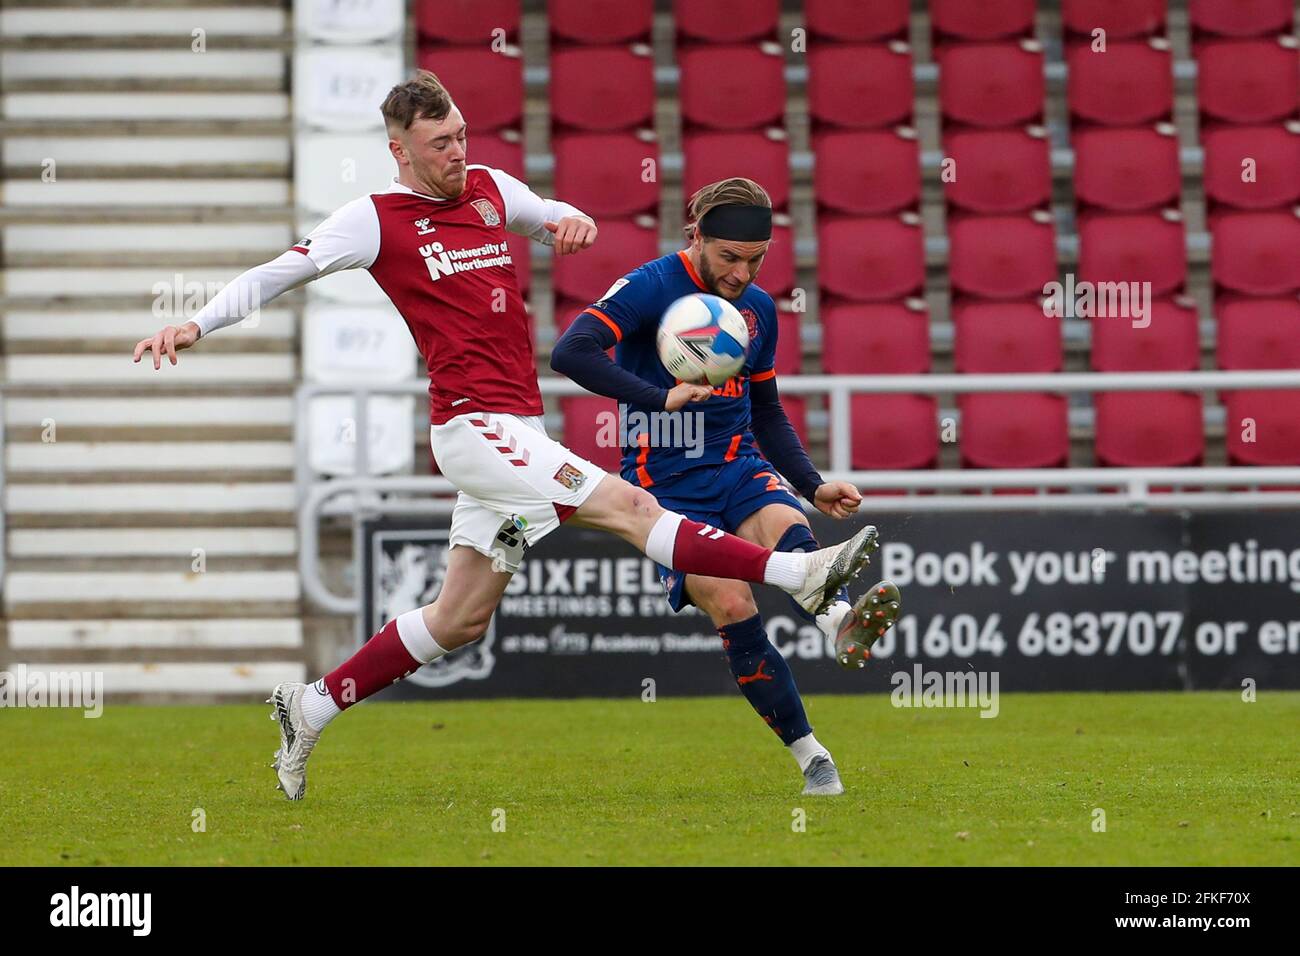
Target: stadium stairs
(149, 514)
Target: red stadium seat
(1275, 179)
(1248, 81)
(600, 21)
(591, 429)
(497, 151)
(992, 84)
(986, 20)
(1149, 429)
(1003, 337)
(893, 431)
(857, 21)
(762, 157)
(869, 260)
(467, 21)
(871, 173)
(1263, 427)
(1137, 248)
(1001, 257)
(1013, 430)
(602, 173)
(998, 171)
(1258, 333)
(623, 246)
(1242, 18)
(726, 21)
(778, 269)
(487, 87)
(875, 338)
(1167, 340)
(789, 344)
(1256, 253)
(999, 338)
(1126, 170)
(602, 88)
(1131, 84)
(732, 87)
(860, 86)
(1121, 19)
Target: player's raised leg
(470, 592)
(813, 579)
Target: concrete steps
(150, 525)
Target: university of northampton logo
(487, 211)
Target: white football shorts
(516, 483)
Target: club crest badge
(487, 211)
(570, 477)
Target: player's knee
(728, 604)
(461, 627)
(624, 507)
(465, 630)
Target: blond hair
(422, 97)
(736, 191)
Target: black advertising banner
(1113, 601)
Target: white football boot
(832, 568)
(822, 779)
(297, 739)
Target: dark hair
(423, 97)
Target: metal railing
(1058, 489)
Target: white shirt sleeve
(349, 239)
(526, 212)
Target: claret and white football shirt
(445, 265)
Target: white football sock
(786, 569)
(662, 540)
(318, 707)
(805, 749)
(831, 619)
(417, 640)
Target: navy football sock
(799, 537)
(764, 678)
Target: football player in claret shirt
(731, 482)
(435, 242)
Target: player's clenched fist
(839, 499)
(170, 340)
(683, 393)
(572, 234)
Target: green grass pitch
(1200, 778)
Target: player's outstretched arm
(582, 355)
(548, 221)
(236, 301)
(572, 234)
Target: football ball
(703, 338)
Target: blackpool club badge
(487, 211)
